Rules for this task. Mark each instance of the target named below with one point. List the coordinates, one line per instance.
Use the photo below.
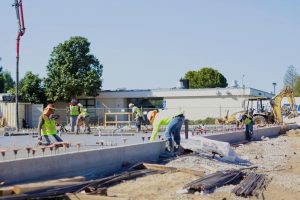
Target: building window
(88, 103)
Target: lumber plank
(5, 191)
(173, 169)
(20, 189)
(80, 196)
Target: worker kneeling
(47, 126)
(173, 121)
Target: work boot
(169, 146)
(178, 149)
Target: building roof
(165, 93)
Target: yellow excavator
(262, 115)
(276, 105)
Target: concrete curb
(238, 136)
(90, 163)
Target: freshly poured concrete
(89, 163)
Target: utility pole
(21, 31)
(274, 87)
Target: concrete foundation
(91, 163)
(238, 136)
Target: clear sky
(151, 44)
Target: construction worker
(83, 118)
(47, 126)
(74, 111)
(173, 121)
(137, 116)
(246, 120)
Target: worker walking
(47, 126)
(74, 111)
(137, 116)
(173, 121)
(83, 118)
(246, 120)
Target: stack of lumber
(212, 181)
(251, 185)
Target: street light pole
(274, 86)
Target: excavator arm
(276, 104)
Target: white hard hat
(80, 105)
(239, 116)
(130, 105)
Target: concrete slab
(89, 163)
(238, 136)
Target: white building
(196, 103)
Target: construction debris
(210, 182)
(168, 169)
(252, 185)
(52, 189)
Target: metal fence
(97, 115)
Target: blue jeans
(48, 141)
(249, 131)
(73, 120)
(174, 128)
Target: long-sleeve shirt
(163, 117)
(136, 112)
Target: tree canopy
(206, 77)
(72, 71)
(6, 81)
(31, 89)
(290, 76)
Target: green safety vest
(74, 110)
(248, 120)
(83, 112)
(137, 112)
(49, 126)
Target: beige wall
(9, 112)
(200, 108)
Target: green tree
(31, 89)
(72, 71)
(297, 87)
(206, 78)
(290, 76)
(8, 81)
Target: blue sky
(151, 44)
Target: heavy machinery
(266, 110)
(278, 110)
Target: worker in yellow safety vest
(246, 120)
(74, 111)
(83, 118)
(137, 116)
(173, 121)
(47, 126)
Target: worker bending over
(173, 121)
(83, 119)
(47, 126)
(137, 116)
(246, 120)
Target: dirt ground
(277, 157)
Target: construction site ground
(279, 158)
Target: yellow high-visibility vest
(74, 110)
(49, 126)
